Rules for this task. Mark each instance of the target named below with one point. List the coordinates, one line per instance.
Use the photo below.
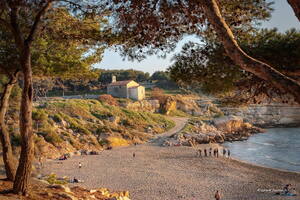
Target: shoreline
(262, 166)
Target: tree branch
(295, 4)
(14, 15)
(37, 21)
(240, 58)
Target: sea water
(276, 148)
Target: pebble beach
(169, 173)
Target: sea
(277, 148)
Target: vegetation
(222, 21)
(106, 98)
(217, 74)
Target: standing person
(79, 165)
(228, 153)
(224, 152)
(200, 152)
(218, 195)
(205, 152)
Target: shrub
(108, 99)
(16, 139)
(159, 94)
(57, 118)
(52, 179)
(39, 115)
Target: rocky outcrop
(267, 115)
(144, 105)
(65, 193)
(218, 130)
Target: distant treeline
(98, 82)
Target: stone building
(126, 89)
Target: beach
(170, 173)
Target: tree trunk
(247, 63)
(295, 4)
(27, 146)
(8, 157)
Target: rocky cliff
(267, 115)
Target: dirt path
(179, 125)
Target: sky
(283, 18)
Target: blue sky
(283, 18)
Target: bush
(53, 138)
(16, 139)
(159, 94)
(52, 179)
(57, 118)
(108, 99)
(39, 115)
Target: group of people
(213, 152)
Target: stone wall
(144, 105)
(267, 115)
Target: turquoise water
(277, 148)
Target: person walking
(228, 153)
(217, 195)
(205, 152)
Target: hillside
(65, 126)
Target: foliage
(106, 98)
(155, 27)
(217, 74)
(39, 115)
(160, 75)
(52, 179)
(117, 141)
(121, 75)
(159, 94)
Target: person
(75, 180)
(133, 155)
(205, 152)
(210, 150)
(228, 153)
(79, 165)
(224, 152)
(218, 195)
(286, 188)
(200, 152)
(217, 152)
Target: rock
(228, 123)
(67, 196)
(151, 105)
(60, 187)
(169, 105)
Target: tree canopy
(216, 73)
(156, 26)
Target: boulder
(228, 123)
